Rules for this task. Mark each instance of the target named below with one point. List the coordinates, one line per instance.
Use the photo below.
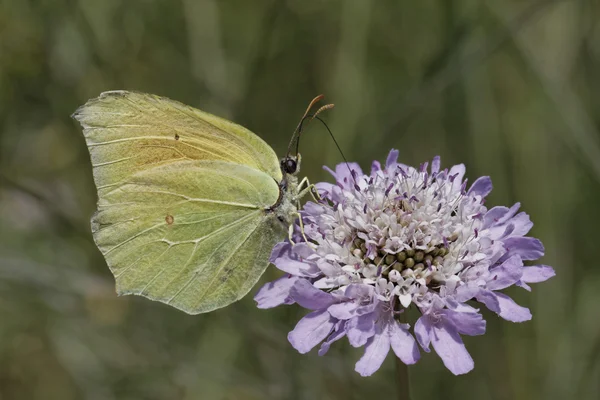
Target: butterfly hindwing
(198, 241)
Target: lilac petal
(309, 210)
(511, 311)
(495, 252)
(504, 306)
(403, 343)
(285, 258)
(506, 274)
(522, 224)
(527, 247)
(311, 330)
(435, 165)
(459, 172)
(303, 250)
(449, 346)
(276, 293)
(326, 168)
(376, 351)
(338, 332)
(489, 299)
(481, 187)
(537, 273)
(493, 216)
(392, 159)
(502, 232)
(325, 189)
(305, 294)
(467, 323)
(466, 292)
(360, 329)
(361, 302)
(345, 310)
(510, 213)
(359, 291)
(423, 330)
(342, 173)
(375, 166)
(523, 285)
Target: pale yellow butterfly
(189, 204)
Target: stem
(402, 372)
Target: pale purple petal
(506, 274)
(309, 210)
(376, 350)
(522, 224)
(467, 323)
(435, 165)
(403, 343)
(511, 311)
(449, 346)
(466, 292)
(360, 329)
(537, 273)
(527, 247)
(345, 310)
(490, 300)
(423, 330)
(308, 296)
(392, 159)
(286, 259)
(339, 332)
(493, 216)
(510, 213)
(361, 302)
(325, 189)
(375, 166)
(342, 173)
(523, 285)
(457, 173)
(311, 330)
(276, 293)
(481, 187)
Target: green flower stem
(402, 373)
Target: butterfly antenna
(336, 144)
(296, 134)
(310, 117)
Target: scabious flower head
(396, 238)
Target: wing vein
(221, 265)
(194, 275)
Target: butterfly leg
(291, 228)
(310, 188)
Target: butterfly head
(290, 165)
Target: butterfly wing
(127, 132)
(182, 200)
(192, 234)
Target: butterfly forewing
(128, 132)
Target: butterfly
(190, 205)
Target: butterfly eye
(289, 165)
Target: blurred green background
(511, 88)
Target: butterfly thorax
(286, 207)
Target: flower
(396, 238)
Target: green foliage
(508, 88)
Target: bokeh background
(510, 88)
